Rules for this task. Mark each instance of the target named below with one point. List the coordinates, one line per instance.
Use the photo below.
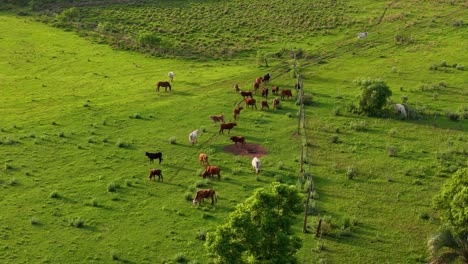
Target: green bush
(351, 172)
(111, 187)
(374, 95)
(76, 222)
(54, 194)
(173, 140)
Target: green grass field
(77, 116)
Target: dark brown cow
(276, 103)
(203, 159)
(275, 89)
(163, 84)
(205, 193)
(246, 94)
(237, 111)
(154, 173)
(264, 105)
(251, 102)
(227, 126)
(236, 88)
(212, 170)
(256, 86)
(265, 92)
(153, 156)
(286, 93)
(266, 78)
(238, 139)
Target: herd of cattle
(249, 100)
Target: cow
(256, 85)
(251, 102)
(153, 156)
(154, 173)
(205, 193)
(361, 35)
(193, 137)
(259, 80)
(266, 78)
(276, 103)
(237, 111)
(265, 92)
(203, 159)
(286, 93)
(264, 105)
(238, 139)
(212, 170)
(171, 76)
(163, 84)
(217, 118)
(275, 89)
(256, 165)
(246, 94)
(236, 88)
(227, 126)
(401, 109)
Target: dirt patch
(252, 150)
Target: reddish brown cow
(236, 88)
(217, 118)
(286, 93)
(264, 105)
(238, 139)
(212, 170)
(259, 80)
(251, 102)
(227, 126)
(246, 94)
(256, 86)
(265, 92)
(275, 89)
(205, 193)
(203, 159)
(276, 103)
(237, 111)
(154, 173)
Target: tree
(259, 230)
(445, 247)
(374, 95)
(453, 202)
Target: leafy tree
(453, 202)
(445, 247)
(374, 95)
(259, 230)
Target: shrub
(173, 140)
(424, 216)
(335, 139)
(374, 95)
(7, 166)
(121, 144)
(13, 181)
(280, 165)
(34, 221)
(180, 258)
(188, 196)
(201, 235)
(236, 171)
(337, 111)
(312, 208)
(392, 132)
(351, 172)
(114, 255)
(457, 23)
(289, 115)
(76, 222)
(129, 183)
(392, 151)
(111, 187)
(452, 116)
(136, 116)
(358, 125)
(54, 194)
(93, 202)
(460, 67)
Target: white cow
(256, 165)
(171, 76)
(362, 35)
(401, 109)
(193, 137)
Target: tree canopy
(374, 95)
(259, 229)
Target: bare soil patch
(252, 150)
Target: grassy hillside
(77, 117)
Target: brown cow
(238, 139)
(227, 126)
(265, 92)
(154, 173)
(217, 118)
(246, 94)
(205, 193)
(251, 102)
(163, 84)
(236, 88)
(276, 103)
(264, 105)
(256, 85)
(203, 159)
(275, 89)
(237, 111)
(286, 93)
(212, 170)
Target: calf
(227, 126)
(276, 103)
(154, 173)
(238, 139)
(286, 93)
(275, 89)
(251, 102)
(153, 156)
(237, 111)
(203, 159)
(212, 170)
(264, 105)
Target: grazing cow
(171, 76)
(264, 105)
(163, 84)
(361, 35)
(275, 89)
(256, 165)
(237, 111)
(256, 86)
(193, 136)
(265, 92)
(236, 88)
(246, 93)
(259, 80)
(212, 170)
(154, 173)
(227, 126)
(203, 159)
(276, 103)
(153, 156)
(266, 78)
(286, 93)
(251, 102)
(205, 193)
(401, 109)
(217, 118)
(238, 139)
